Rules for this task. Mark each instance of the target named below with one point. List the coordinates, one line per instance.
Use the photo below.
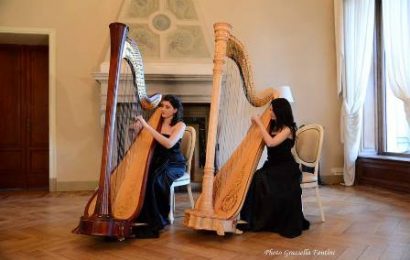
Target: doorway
(24, 131)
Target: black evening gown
(273, 202)
(167, 165)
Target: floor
(361, 223)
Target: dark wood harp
(223, 195)
(112, 209)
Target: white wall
(289, 42)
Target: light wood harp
(112, 209)
(223, 195)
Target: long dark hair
(284, 116)
(176, 104)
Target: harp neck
(228, 46)
(237, 52)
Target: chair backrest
(308, 145)
(188, 146)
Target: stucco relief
(161, 22)
(186, 41)
(166, 30)
(182, 9)
(142, 8)
(147, 40)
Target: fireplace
(191, 83)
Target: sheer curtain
(396, 33)
(354, 20)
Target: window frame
(379, 97)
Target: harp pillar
(202, 216)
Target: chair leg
(191, 198)
(322, 214)
(172, 205)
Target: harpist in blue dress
(167, 165)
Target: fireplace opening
(196, 115)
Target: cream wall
(289, 42)
(81, 32)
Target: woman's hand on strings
(141, 120)
(136, 126)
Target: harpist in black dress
(273, 202)
(167, 165)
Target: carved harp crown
(223, 194)
(125, 154)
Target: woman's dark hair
(284, 116)
(176, 104)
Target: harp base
(104, 226)
(201, 221)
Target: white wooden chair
(307, 150)
(187, 148)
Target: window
(384, 113)
(397, 135)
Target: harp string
(234, 117)
(234, 113)
(128, 108)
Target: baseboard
(91, 185)
(331, 179)
(52, 184)
(76, 185)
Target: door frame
(51, 33)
